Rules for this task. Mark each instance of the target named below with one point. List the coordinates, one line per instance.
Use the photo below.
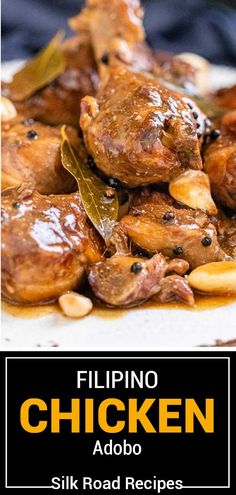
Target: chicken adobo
(31, 153)
(47, 242)
(115, 184)
(141, 132)
(157, 223)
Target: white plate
(143, 328)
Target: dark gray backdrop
(203, 26)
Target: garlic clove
(192, 188)
(218, 278)
(202, 67)
(8, 110)
(75, 305)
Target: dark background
(207, 27)
(198, 459)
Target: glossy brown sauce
(29, 311)
(201, 304)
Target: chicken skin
(59, 102)
(157, 223)
(31, 153)
(220, 161)
(47, 241)
(139, 132)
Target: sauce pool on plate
(202, 303)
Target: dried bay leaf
(46, 66)
(102, 211)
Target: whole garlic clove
(202, 67)
(192, 188)
(75, 305)
(218, 278)
(8, 110)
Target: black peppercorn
(169, 215)
(32, 134)
(113, 182)
(28, 122)
(177, 250)
(190, 106)
(105, 58)
(195, 114)
(215, 133)
(136, 267)
(206, 241)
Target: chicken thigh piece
(31, 153)
(140, 132)
(47, 242)
(157, 223)
(220, 161)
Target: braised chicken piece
(31, 153)
(125, 280)
(157, 223)
(47, 242)
(220, 161)
(175, 288)
(140, 132)
(59, 101)
(226, 97)
(115, 30)
(116, 33)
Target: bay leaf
(46, 66)
(102, 211)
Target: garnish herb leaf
(102, 211)
(40, 71)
